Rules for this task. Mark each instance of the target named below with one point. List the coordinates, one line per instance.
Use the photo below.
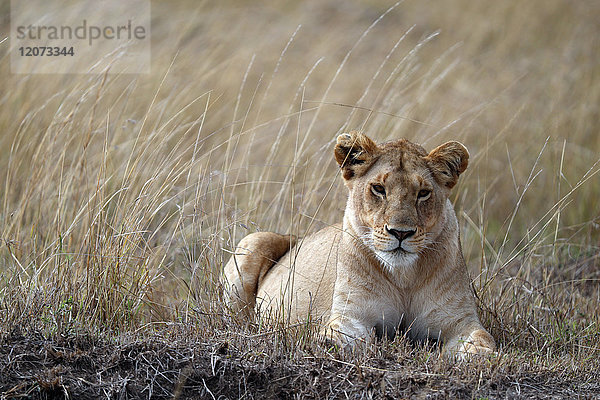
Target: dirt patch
(88, 367)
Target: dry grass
(120, 195)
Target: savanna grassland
(121, 196)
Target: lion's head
(398, 192)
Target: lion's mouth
(401, 250)
(395, 251)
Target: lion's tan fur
(394, 263)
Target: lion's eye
(378, 190)
(424, 194)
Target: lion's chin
(397, 258)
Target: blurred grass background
(121, 194)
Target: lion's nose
(400, 234)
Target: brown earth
(86, 367)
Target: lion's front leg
(349, 323)
(458, 326)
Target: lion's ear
(353, 151)
(447, 162)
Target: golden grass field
(121, 195)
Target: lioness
(395, 263)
